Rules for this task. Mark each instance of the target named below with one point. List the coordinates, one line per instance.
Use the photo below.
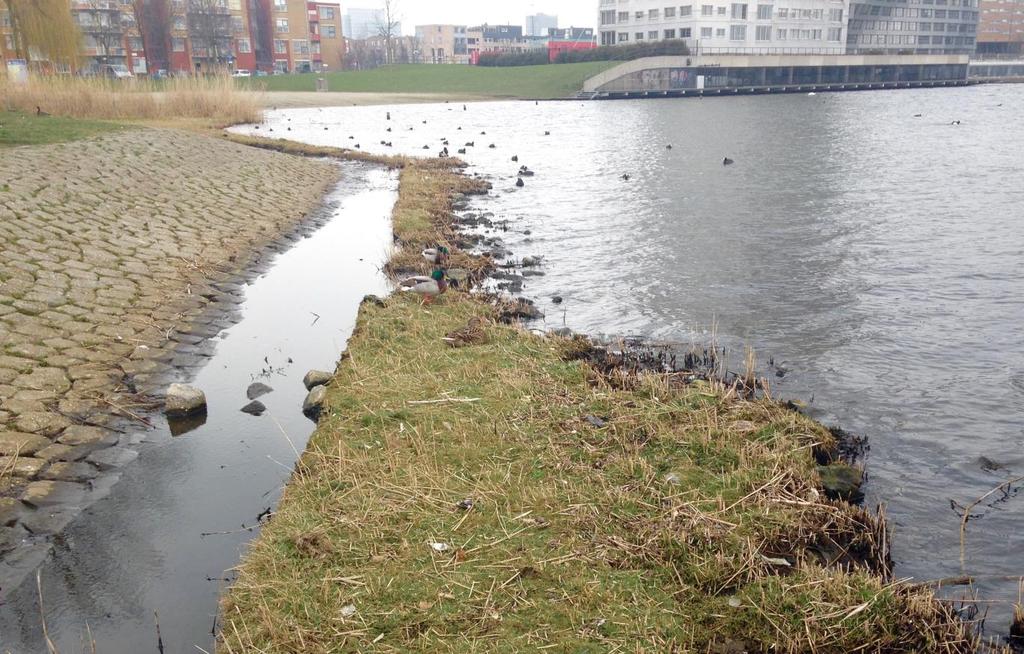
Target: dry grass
(213, 99)
(505, 496)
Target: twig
(159, 638)
(444, 399)
(967, 514)
(50, 647)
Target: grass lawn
(25, 129)
(551, 81)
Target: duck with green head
(428, 287)
(437, 256)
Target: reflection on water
(180, 517)
(878, 254)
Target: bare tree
(153, 21)
(44, 29)
(209, 28)
(102, 23)
(388, 23)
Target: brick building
(199, 36)
(1001, 27)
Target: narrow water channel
(142, 551)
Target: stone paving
(110, 250)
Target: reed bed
(214, 99)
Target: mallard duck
(436, 256)
(428, 287)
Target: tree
(153, 20)
(103, 26)
(44, 30)
(388, 24)
(209, 27)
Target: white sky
(576, 13)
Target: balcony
(314, 16)
(314, 37)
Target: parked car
(241, 72)
(261, 73)
(115, 71)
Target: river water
(155, 549)
(876, 255)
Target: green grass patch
(550, 81)
(17, 128)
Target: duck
(40, 112)
(462, 150)
(515, 157)
(520, 183)
(625, 177)
(428, 287)
(436, 256)
(727, 161)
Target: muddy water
(142, 550)
(876, 255)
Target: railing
(767, 50)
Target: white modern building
(538, 24)
(359, 23)
(717, 26)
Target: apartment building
(539, 24)
(1001, 27)
(496, 39)
(442, 44)
(913, 26)
(714, 26)
(198, 36)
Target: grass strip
(505, 496)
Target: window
(178, 44)
(685, 33)
(707, 10)
(5, 19)
(179, 23)
(737, 32)
(686, 10)
(835, 15)
(764, 12)
(639, 15)
(135, 43)
(670, 12)
(815, 35)
(280, 5)
(623, 37)
(720, 11)
(780, 35)
(835, 34)
(237, 25)
(639, 36)
(720, 33)
(653, 14)
(326, 13)
(670, 34)
(607, 17)
(739, 12)
(705, 32)
(623, 16)
(280, 46)
(330, 32)
(244, 46)
(653, 35)
(300, 47)
(782, 12)
(764, 33)
(281, 26)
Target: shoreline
(298, 543)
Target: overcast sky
(578, 13)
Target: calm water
(878, 254)
(142, 550)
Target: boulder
(256, 390)
(531, 261)
(841, 481)
(86, 435)
(316, 378)
(112, 457)
(254, 408)
(40, 494)
(13, 443)
(21, 466)
(183, 401)
(314, 402)
(70, 471)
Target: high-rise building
(539, 24)
(912, 26)
(1001, 27)
(360, 23)
(442, 44)
(765, 26)
(197, 36)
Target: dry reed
(209, 98)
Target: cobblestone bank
(111, 249)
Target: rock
(531, 261)
(315, 378)
(112, 457)
(10, 511)
(85, 435)
(557, 299)
(372, 299)
(59, 452)
(11, 538)
(13, 443)
(43, 523)
(564, 332)
(595, 421)
(21, 466)
(841, 481)
(183, 401)
(459, 275)
(69, 471)
(533, 273)
(254, 408)
(41, 422)
(314, 402)
(257, 390)
(41, 494)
